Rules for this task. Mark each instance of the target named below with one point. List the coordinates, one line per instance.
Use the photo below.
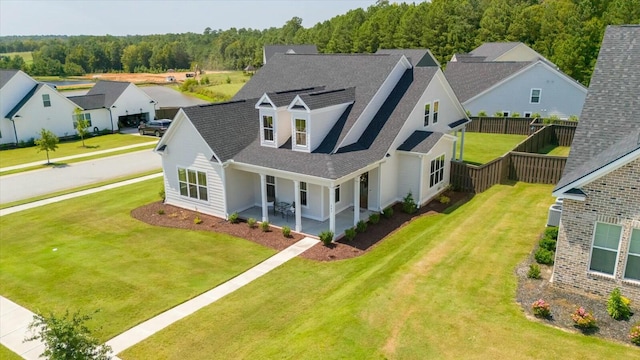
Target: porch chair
(271, 204)
(291, 211)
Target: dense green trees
(567, 32)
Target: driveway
(40, 182)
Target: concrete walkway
(31, 205)
(14, 320)
(60, 159)
(153, 325)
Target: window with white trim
(271, 187)
(46, 100)
(436, 105)
(427, 112)
(437, 171)
(193, 184)
(303, 193)
(534, 97)
(632, 269)
(527, 114)
(506, 113)
(604, 251)
(301, 132)
(86, 116)
(267, 128)
(337, 194)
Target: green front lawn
(6, 354)
(105, 142)
(442, 287)
(88, 253)
(481, 148)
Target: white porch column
(332, 209)
(296, 189)
(462, 143)
(356, 200)
(455, 142)
(263, 195)
(422, 178)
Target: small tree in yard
(82, 124)
(67, 337)
(48, 142)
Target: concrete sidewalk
(14, 322)
(146, 329)
(93, 153)
(31, 205)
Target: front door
(364, 190)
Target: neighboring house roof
(89, 102)
(467, 58)
(24, 100)
(111, 90)
(6, 75)
(323, 99)
(469, 79)
(609, 126)
(270, 50)
(421, 141)
(493, 50)
(284, 98)
(417, 57)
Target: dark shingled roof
(111, 90)
(421, 141)
(322, 99)
(417, 57)
(284, 98)
(24, 100)
(469, 58)
(458, 123)
(493, 50)
(469, 79)
(89, 102)
(609, 126)
(270, 50)
(6, 75)
(364, 72)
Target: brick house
(599, 237)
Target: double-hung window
(535, 96)
(301, 132)
(193, 183)
(604, 252)
(337, 194)
(86, 116)
(46, 100)
(436, 105)
(267, 128)
(427, 112)
(271, 187)
(303, 193)
(437, 171)
(632, 269)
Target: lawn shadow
(92, 146)
(57, 165)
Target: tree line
(567, 32)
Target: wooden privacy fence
(520, 126)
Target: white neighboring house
(512, 78)
(315, 132)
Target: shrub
(583, 319)
(197, 220)
(634, 334)
(482, 113)
(498, 114)
(408, 204)
(286, 231)
(387, 213)
(264, 226)
(444, 199)
(551, 232)
(547, 244)
(326, 237)
(374, 218)
(468, 113)
(534, 272)
(515, 114)
(361, 226)
(160, 211)
(162, 194)
(251, 222)
(618, 305)
(228, 80)
(536, 115)
(234, 218)
(544, 256)
(541, 308)
(350, 233)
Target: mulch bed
(564, 303)
(176, 217)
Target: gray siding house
(599, 236)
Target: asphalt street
(39, 182)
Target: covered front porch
(344, 220)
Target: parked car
(155, 127)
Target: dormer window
(436, 104)
(267, 128)
(301, 132)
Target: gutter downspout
(110, 118)
(15, 132)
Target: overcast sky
(122, 17)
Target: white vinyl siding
(604, 251)
(632, 269)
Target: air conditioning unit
(555, 212)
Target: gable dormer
(268, 117)
(314, 114)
